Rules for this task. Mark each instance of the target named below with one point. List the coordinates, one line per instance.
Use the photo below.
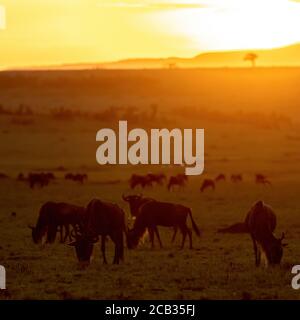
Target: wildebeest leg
(174, 234)
(67, 234)
(103, 238)
(151, 236)
(257, 259)
(189, 232)
(51, 234)
(183, 230)
(158, 237)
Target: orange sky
(45, 32)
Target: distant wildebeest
(40, 179)
(207, 183)
(220, 177)
(261, 179)
(179, 180)
(138, 180)
(21, 177)
(3, 176)
(157, 178)
(153, 214)
(261, 223)
(239, 227)
(54, 215)
(102, 219)
(78, 177)
(236, 178)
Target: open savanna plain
(251, 122)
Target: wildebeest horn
(282, 236)
(31, 227)
(124, 198)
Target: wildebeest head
(134, 203)
(132, 239)
(37, 234)
(275, 251)
(84, 248)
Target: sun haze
(74, 31)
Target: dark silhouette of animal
(179, 180)
(138, 180)
(101, 219)
(261, 179)
(40, 179)
(135, 203)
(207, 183)
(3, 176)
(78, 177)
(236, 178)
(239, 227)
(54, 216)
(220, 177)
(153, 214)
(157, 178)
(261, 223)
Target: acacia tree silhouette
(251, 57)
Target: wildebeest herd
(84, 226)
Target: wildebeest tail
(195, 227)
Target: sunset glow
(70, 31)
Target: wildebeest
(261, 223)
(179, 180)
(41, 179)
(54, 215)
(78, 177)
(138, 180)
(3, 176)
(207, 183)
(220, 177)
(157, 178)
(239, 227)
(101, 219)
(261, 179)
(135, 203)
(153, 214)
(236, 178)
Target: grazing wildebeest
(54, 215)
(157, 178)
(153, 214)
(135, 203)
(261, 179)
(239, 227)
(138, 180)
(40, 179)
(179, 180)
(261, 223)
(76, 177)
(207, 183)
(102, 219)
(236, 178)
(220, 177)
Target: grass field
(251, 122)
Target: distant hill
(286, 56)
(282, 57)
